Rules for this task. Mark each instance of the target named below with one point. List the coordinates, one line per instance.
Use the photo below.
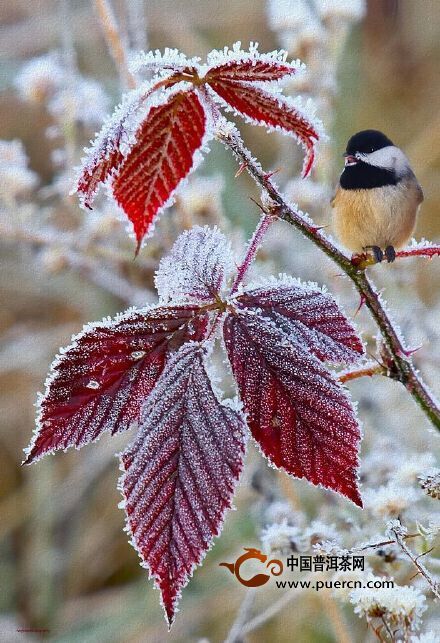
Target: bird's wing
(420, 194)
(333, 199)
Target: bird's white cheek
(389, 158)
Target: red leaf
(105, 155)
(273, 110)
(180, 473)
(251, 69)
(162, 156)
(297, 412)
(105, 158)
(101, 380)
(309, 316)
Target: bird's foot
(390, 254)
(377, 252)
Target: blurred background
(65, 565)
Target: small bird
(377, 199)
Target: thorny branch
(368, 370)
(405, 371)
(399, 534)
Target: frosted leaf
(106, 152)
(309, 316)
(276, 112)
(116, 138)
(164, 154)
(196, 267)
(235, 64)
(156, 61)
(101, 380)
(180, 473)
(300, 416)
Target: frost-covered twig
(382, 543)
(405, 371)
(269, 613)
(114, 42)
(236, 631)
(368, 370)
(399, 532)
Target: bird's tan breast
(376, 217)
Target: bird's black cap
(369, 140)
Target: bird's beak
(350, 160)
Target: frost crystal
(411, 466)
(15, 176)
(196, 267)
(402, 606)
(426, 637)
(341, 9)
(67, 95)
(39, 78)
(318, 532)
(85, 102)
(282, 538)
(158, 62)
(390, 500)
(430, 483)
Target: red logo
(258, 579)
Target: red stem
(254, 245)
(426, 251)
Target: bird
(377, 199)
